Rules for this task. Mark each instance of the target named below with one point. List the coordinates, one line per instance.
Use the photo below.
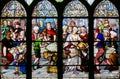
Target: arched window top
(75, 9)
(13, 9)
(44, 9)
(106, 9)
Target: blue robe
(101, 38)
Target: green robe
(37, 48)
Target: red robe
(34, 36)
(51, 32)
(66, 48)
(84, 37)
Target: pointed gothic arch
(13, 9)
(75, 9)
(106, 9)
(44, 9)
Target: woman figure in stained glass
(100, 25)
(83, 33)
(5, 29)
(73, 36)
(65, 27)
(69, 31)
(11, 27)
(70, 27)
(9, 30)
(42, 27)
(21, 36)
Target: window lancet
(106, 40)
(13, 46)
(75, 37)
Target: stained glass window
(44, 41)
(106, 40)
(75, 37)
(59, 39)
(13, 41)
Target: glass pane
(75, 9)
(45, 72)
(107, 55)
(13, 9)
(13, 29)
(44, 9)
(59, 0)
(106, 29)
(10, 55)
(72, 72)
(90, 1)
(106, 45)
(75, 53)
(28, 1)
(106, 72)
(44, 53)
(75, 59)
(44, 29)
(13, 72)
(106, 9)
(75, 29)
